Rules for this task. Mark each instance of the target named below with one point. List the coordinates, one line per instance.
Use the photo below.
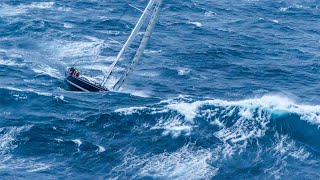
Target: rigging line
(100, 49)
(142, 46)
(136, 8)
(125, 10)
(96, 53)
(133, 34)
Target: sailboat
(76, 82)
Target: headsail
(143, 44)
(133, 34)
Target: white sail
(133, 34)
(143, 44)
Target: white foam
(198, 24)
(185, 163)
(61, 97)
(8, 63)
(209, 13)
(8, 10)
(78, 49)
(18, 96)
(148, 51)
(189, 110)
(28, 90)
(38, 167)
(148, 74)
(101, 149)
(45, 69)
(271, 103)
(68, 25)
(183, 71)
(77, 141)
(174, 126)
(8, 135)
(252, 120)
(130, 110)
(284, 9)
(139, 93)
(12, 89)
(59, 140)
(39, 5)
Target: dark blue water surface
(225, 90)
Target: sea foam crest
(174, 126)
(269, 103)
(250, 117)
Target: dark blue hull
(81, 84)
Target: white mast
(133, 34)
(143, 44)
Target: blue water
(225, 90)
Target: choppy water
(226, 89)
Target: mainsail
(144, 41)
(142, 46)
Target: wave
(26, 90)
(259, 128)
(8, 63)
(236, 121)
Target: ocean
(224, 90)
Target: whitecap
(183, 71)
(68, 25)
(148, 51)
(39, 5)
(139, 93)
(101, 149)
(77, 141)
(198, 24)
(188, 110)
(8, 63)
(174, 126)
(148, 74)
(209, 13)
(28, 90)
(61, 97)
(130, 110)
(9, 10)
(59, 140)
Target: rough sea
(225, 90)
